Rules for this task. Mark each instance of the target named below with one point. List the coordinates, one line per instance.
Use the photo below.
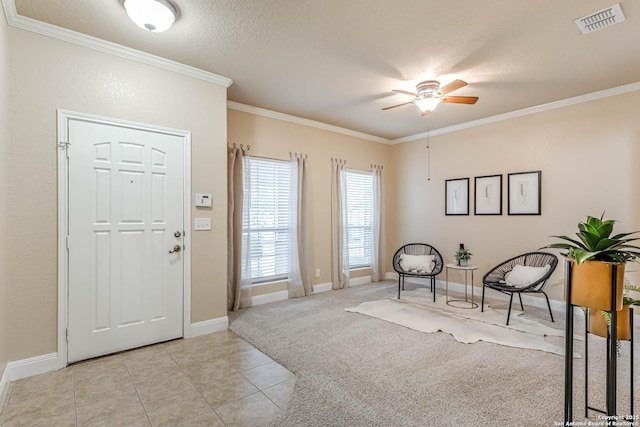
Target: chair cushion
(417, 263)
(524, 275)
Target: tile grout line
(75, 402)
(124, 362)
(261, 390)
(271, 360)
(258, 389)
(194, 386)
(271, 386)
(5, 404)
(272, 401)
(232, 356)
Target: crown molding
(19, 21)
(29, 24)
(619, 90)
(304, 122)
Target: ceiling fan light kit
(430, 94)
(151, 15)
(427, 105)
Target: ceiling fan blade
(404, 92)
(454, 85)
(461, 99)
(398, 105)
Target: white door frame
(64, 116)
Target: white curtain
(246, 229)
(339, 256)
(378, 253)
(299, 282)
(237, 295)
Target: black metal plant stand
(611, 380)
(586, 365)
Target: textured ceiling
(336, 61)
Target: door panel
(125, 202)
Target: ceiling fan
(430, 94)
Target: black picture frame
(487, 195)
(524, 193)
(456, 197)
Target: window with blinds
(266, 218)
(359, 209)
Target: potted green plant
(462, 256)
(600, 320)
(593, 256)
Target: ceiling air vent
(601, 19)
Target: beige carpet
(416, 310)
(359, 371)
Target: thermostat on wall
(203, 200)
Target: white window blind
(359, 209)
(266, 218)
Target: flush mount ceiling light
(151, 15)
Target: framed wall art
(488, 195)
(456, 196)
(524, 193)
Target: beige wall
(48, 74)
(589, 155)
(276, 138)
(4, 121)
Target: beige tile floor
(212, 380)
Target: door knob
(176, 248)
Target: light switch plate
(202, 224)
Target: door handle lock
(176, 248)
(177, 234)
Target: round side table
(461, 303)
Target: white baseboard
(357, 281)
(208, 327)
(528, 299)
(270, 297)
(32, 366)
(322, 287)
(556, 305)
(4, 389)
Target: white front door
(125, 226)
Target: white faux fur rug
(416, 310)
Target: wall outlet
(201, 224)
(317, 272)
